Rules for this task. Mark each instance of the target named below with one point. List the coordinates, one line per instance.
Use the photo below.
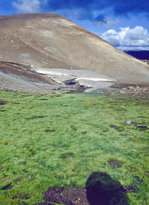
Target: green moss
(59, 140)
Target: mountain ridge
(52, 41)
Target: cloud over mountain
(128, 37)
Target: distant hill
(52, 41)
(142, 55)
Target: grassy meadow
(60, 140)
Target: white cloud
(107, 22)
(128, 38)
(27, 6)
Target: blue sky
(123, 23)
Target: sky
(123, 23)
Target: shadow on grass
(102, 189)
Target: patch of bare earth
(72, 196)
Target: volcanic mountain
(52, 41)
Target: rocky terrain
(18, 77)
(48, 53)
(146, 61)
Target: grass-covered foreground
(60, 140)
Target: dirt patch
(84, 132)
(36, 117)
(120, 109)
(74, 128)
(114, 163)
(116, 128)
(3, 102)
(22, 196)
(76, 88)
(67, 155)
(142, 127)
(73, 196)
(49, 130)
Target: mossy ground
(59, 140)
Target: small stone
(131, 88)
(131, 121)
(122, 91)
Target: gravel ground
(88, 79)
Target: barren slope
(48, 40)
(17, 77)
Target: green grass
(60, 140)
